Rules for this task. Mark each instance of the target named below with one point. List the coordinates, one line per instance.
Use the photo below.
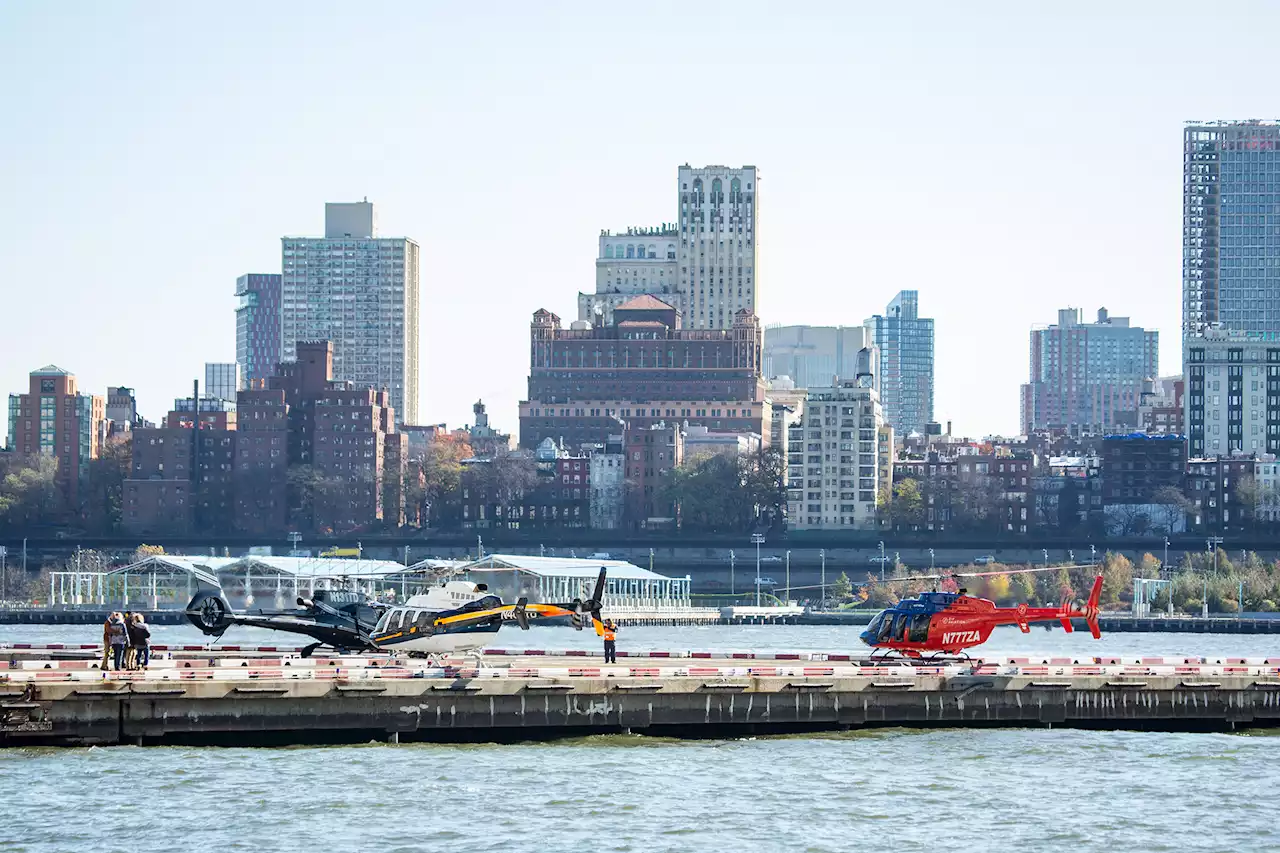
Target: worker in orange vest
(610, 642)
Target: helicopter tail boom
(1091, 608)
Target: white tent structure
(562, 579)
(170, 580)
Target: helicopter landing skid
(879, 656)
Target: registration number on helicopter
(960, 637)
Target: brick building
(984, 489)
(305, 451)
(1139, 473)
(53, 418)
(643, 369)
(261, 460)
(1213, 487)
(183, 478)
(651, 454)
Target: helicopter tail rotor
(589, 610)
(1089, 614)
(208, 611)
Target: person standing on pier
(106, 644)
(128, 640)
(117, 638)
(610, 642)
(139, 642)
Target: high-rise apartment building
(360, 292)
(718, 249)
(222, 380)
(1088, 376)
(54, 419)
(836, 458)
(1231, 227)
(258, 325)
(640, 261)
(813, 356)
(905, 341)
(1232, 395)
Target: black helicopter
(343, 619)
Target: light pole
(931, 559)
(822, 554)
(1210, 544)
(3, 572)
(733, 590)
(294, 538)
(882, 559)
(542, 550)
(757, 539)
(1093, 556)
(650, 559)
(1045, 551)
(1071, 558)
(1164, 567)
(788, 576)
(406, 556)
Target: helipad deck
(266, 695)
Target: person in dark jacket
(139, 642)
(128, 645)
(117, 638)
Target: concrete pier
(283, 699)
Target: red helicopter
(946, 623)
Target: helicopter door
(919, 628)
(900, 627)
(886, 630)
(426, 620)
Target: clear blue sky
(1005, 160)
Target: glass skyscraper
(1231, 227)
(258, 325)
(905, 341)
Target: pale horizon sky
(1005, 160)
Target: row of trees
(1256, 579)
(33, 492)
(983, 505)
(722, 493)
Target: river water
(897, 789)
(954, 790)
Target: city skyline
(991, 257)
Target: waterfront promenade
(269, 695)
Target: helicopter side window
(382, 622)
(919, 628)
(900, 626)
(409, 617)
(393, 624)
(874, 627)
(424, 619)
(886, 630)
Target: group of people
(126, 641)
